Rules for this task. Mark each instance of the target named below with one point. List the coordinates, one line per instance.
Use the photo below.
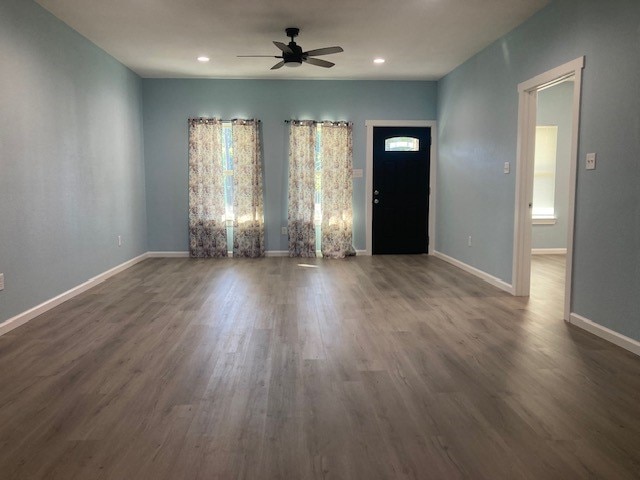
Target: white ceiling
(420, 39)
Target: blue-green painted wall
(71, 159)
(169, 103)
(478, 113)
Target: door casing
(370, 124)
(527, 113)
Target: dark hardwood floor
(367, 368)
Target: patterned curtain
(248, 222)
(207, 228)
(337, 190)
(302, 231)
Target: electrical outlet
(507, 168)
(469, 240)
(284, 230)
(591, 161)
(119, 240)
(1, 281)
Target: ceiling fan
(293, 56)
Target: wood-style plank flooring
(386, 367)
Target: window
(227, 166)
(544, 176)
(401, 144)
(317, 213)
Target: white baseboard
(495, 281)
(268, 253)
(276, 253)
(605, 333)
(24, 317)
(548, 251)
(167, 254)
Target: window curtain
(207, 227)
(337, 190)
(302, 231)
(248, 210)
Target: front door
(401, 158)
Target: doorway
(552, 159)
(539, 198)
(401, 135)
(400, 190)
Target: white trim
(276, 253)
(552, 76)
(522, 232)
(24, 317)
(605, 333)
(495, 281)
(548, 251)
(168, 254)
(544, 221)
(433, 165)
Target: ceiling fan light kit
(294, 56)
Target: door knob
(376, 201)
(376, 192)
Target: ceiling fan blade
(283, 46)
(324, 51)
(278, 65)
(318, 62)
(256, 56)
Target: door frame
(370, 124)
(527, 115)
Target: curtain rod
(321, 121)
(231, 120)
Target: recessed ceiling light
(378, 60)
(203, 59)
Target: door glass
(401, 144)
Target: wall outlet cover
(1, 281)
(284, 230)
(507, 168)
(591, 161)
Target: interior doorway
(548, 125)
(552, 159)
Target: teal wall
(169, 103)
(478, 113)
(71, 159)
(555, 107)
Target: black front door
(401, 189)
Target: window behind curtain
(220, 178)
(320, 186)
(227, 170)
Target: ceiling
(420, 39)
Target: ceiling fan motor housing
(293, 59)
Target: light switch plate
(507, 167)
(1, 281)
(357, 173)
(283, 230)
(591, 161)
